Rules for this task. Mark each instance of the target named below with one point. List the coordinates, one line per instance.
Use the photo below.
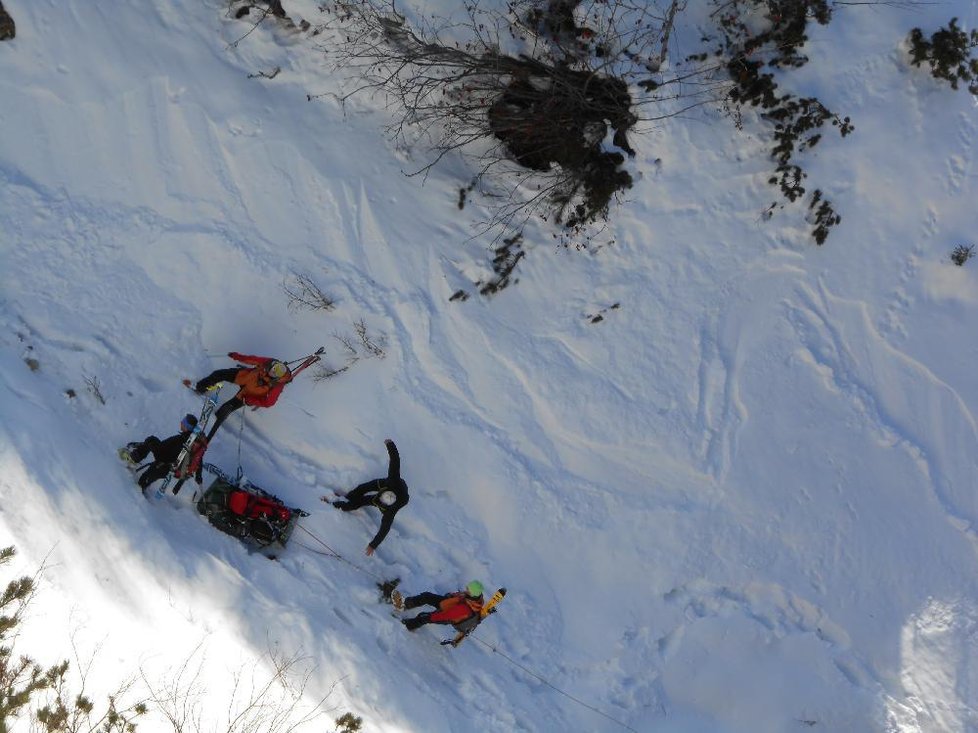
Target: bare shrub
(357, 346)
(304, 294)
(94, 388)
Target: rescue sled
(237, 507)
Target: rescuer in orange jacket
(461, 609)
(259, 385)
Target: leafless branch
(357, 346)
(94, 387)
(304, 294)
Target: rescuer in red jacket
(461, 609)
(259, 385)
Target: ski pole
(317, 352)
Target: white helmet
(387, 497)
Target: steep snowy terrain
(745, 501)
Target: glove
(388, 441)
(234, 355)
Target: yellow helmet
(277, 370)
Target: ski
(492, 602)
(125, 455)
(196, 435)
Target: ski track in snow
(961, 164)
(597, 470)
(837, 335)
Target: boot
(411, 624)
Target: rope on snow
(330, 552)
(338, 556)
(551, 685)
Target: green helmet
(474, 589)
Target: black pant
(154, 472)
(139, 451)
(219, 375)
(157, 471)
(424, 599)
(158, 468)
(362, 495)
(235, 403)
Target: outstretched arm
(249, 359)
(386, 522)
(394, 470)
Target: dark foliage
(505, 259)
(948, 53)
(796, 121)
(8, 29)
(552, 115)
(962, 253)
(24, 682)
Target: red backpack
(257, 507)
(188, 467)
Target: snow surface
(745, 501)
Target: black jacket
(165, 453)
(395, 483)
(167, 450)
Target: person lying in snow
(387, 494)
(462, 609)
(165, 453)
(259, 385)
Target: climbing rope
(333, 553)
(330, 552)
(240, 437)
(551, 685)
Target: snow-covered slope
(745, 501)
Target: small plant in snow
(94, 388)
(349, 723)
(962, 253)
(948, 52)
(357, 346)
(304, 294)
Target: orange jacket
(457, 607)
(257, 388)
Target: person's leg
(357, 497)
(155, 472)
(140, 450)
(423, 599)
(220, 375)
(221, 415)
(417, 622)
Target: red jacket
(257, 387)
(457, 607)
